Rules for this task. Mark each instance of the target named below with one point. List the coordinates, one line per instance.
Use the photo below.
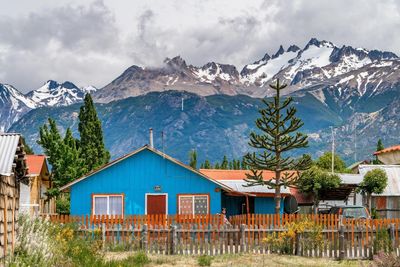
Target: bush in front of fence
(41, 243)
(285, 242)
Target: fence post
(144, 238)
(242, 237)
(392, 236)
(173, 240)
(297, 244)
(103, 235)
(341, 242)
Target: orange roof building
(33, 198)
(390, 155)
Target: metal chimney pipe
(151, 137)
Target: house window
(108, 204)
(193, 204)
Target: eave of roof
(8, 148)
(136, 152)
(389, 149)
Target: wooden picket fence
(208, 234)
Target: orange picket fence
(329, 236)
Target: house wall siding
(265, 205)
(137, 175)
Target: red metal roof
(389, 149)
(221, 175)
(35, 163)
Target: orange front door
(156, 204)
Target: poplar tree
(91, 144)
(193, 159)
(278, 134)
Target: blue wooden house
(147, 181)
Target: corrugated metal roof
(239, 186)
(8, 148)
(393, 174)
(350, 178)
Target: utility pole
(333, 150)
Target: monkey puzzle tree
(278, 134)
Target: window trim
(193, 195)
(156, 194)
(108, 195)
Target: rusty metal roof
(8, 149)
(393, 174)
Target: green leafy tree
(91, 142)
(316, 182)
(325, 162)
(278, 134)
(379, 146)
(216, 166)
(374, 182)
(193, 159)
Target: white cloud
(93, 42)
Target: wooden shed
(12, 172)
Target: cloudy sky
(92, 42)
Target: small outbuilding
(386, 204)
(12, 173)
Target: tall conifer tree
(91, 142)
(278, 135)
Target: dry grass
(238, 260)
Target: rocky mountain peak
(176, 62)
(279, 52)
(293, 48)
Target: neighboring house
(12, 172)
(146, 181)
(253, 199)
(389, 156)
(387, 204)
(33, 198)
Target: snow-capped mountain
(14, 104)
(318, 62)
(53, 93)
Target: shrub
(382, 241)
(385, 260)
(284, 242)
(204, 260)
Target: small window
(108, 205)
(193, 204)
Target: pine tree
(379, 146)
(193, 159)
(50, 139)
(91, 142)
(217, 166)
(207, 164)
(224, 164)
(28, 150)
(279, 134)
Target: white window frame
(108, 203)
(156, 194)
(193, 196)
